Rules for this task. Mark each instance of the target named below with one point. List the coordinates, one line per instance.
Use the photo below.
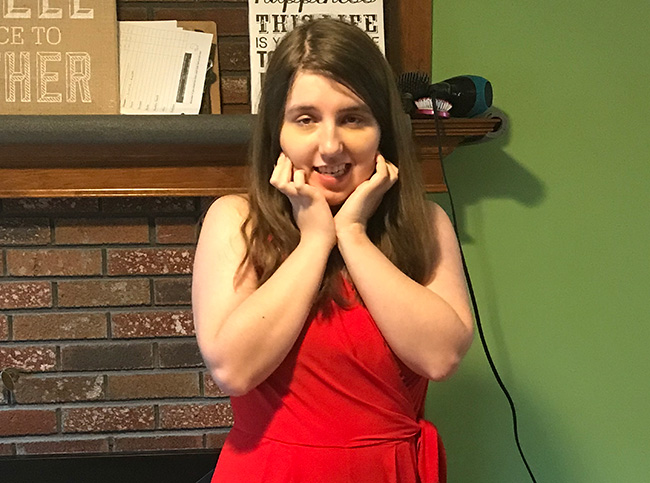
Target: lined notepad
(162, 68)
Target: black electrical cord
(479, 325)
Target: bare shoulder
(446, 246)
(440, 221)
(221, 228)
(221, 247)
(227, 208)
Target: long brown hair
(400, 227)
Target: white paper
(270, 20)
(162, 68)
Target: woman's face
(329, 133)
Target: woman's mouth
(334, 171)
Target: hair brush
(413, 86)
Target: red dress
(341, 408)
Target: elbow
(231, 384)
(444, 368)
(446, 365)
(231, 380)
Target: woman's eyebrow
(300, 108)
(355, 109)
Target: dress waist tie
(432, 461)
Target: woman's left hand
(364, 200)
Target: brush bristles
(414, 83)
(425, 106)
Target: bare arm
(429, 327)
(245, 332)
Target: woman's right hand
(311, 211)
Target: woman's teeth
(334, 171)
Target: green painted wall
(555, 225)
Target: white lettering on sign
(49, 68)
(44, 10)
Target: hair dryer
(469, 95)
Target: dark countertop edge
(218, 129)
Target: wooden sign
(58, 57)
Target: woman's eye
(304, 120)
(353, 120)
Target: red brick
(124, 444)
(103, 293)
(186, 416)
(230, 21)
(52, 389)
(4, 327)
(150, 261)
(215, 440)
(210, 388)
(233, 54)
(93, 231)
(24, 231)
(25, 295)
(21, 422)
(107, 356)
(107, 418)
(153, 386)
(172, 291)
(149, 205)
(234, 90)
(63, 446)
(7, 449)
(45, 263)
(182, 353)
(152, 324)
(28, 358)
(56, 326)
(50, 205)
(176, 230)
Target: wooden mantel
(71, 156)
(205, 155)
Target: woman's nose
(330, 141)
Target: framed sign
(270, 20)
(58, 57)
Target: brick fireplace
(96, 317)
(95, 311)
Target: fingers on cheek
(299, 178)
(387, 171)
(386, 167)
(382, 169)
(286, 172)
(394, 172)
(274, 177)
(281, 175)
(382, 165)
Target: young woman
(327, 297)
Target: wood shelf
(91, 156)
